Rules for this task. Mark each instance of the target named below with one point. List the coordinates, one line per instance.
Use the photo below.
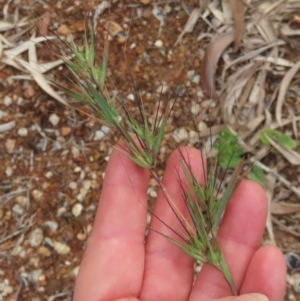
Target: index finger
(116, 245)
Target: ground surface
(52, 158)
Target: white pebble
(36, 237)
(77, 209)
(22, 200)
(158, 43)
(7, 290)
(51, 225)
(2, 114)
(49, 174)
(196, 79)
(54, 119)
(35, 275)
(61, 211)
(87, 185)
(75, 152)
(8, 171)
(75, 271)
(37, 194)
(23, 132)
(180, 134)
(61, 248)
(73, 185)
(195, 108)
(153, 193)
(5, 127)
(18, 209)
(162, 89)
(99, 135)
(16, 250)
(130, 97)
(19, 101)
(7, 100)
(77, 169)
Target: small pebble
(99, 135)
(75, 271)
(2, 114)
(77, 169)
(16, 250)
(23, 132)
(7, 290)
(153, 193)
(77, 209)
(7, 100)
(63, 30)
(292, 261)
(35, 275)
(162, 89)
(20, 101)
(22, 200)
(130, 97)
(75, 152)
(43, 251)
(54, 119)
(51, 225)
(73, 185)
(65, 131)
(18, 209)
(61, 248)
(10, 145)
(158, 43)
(5, 127)
(296, 282)
(8, 171)
(193, 137)
(61, 211)
(195, 108)
(37, 194)
(180, 134)
(49, 174)
(81, 236)
(36, 237)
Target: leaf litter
(261, 50)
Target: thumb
(247, 297)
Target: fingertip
(266, 273)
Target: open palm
(118, 265)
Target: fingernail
(257, 297)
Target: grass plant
(144, 139)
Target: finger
(168, 270)
(248, 297)
(240, 234)
(266, 274)
(116, 245)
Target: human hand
(118, 265)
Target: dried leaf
(282, 208)
(282, 91)
(292, 156)
(238, 12)
(43, 23)
(190, 24)
(34, 68)
(210, 62)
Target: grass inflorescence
(144, 139)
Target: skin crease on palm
(119, 265)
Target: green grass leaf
(283, 139)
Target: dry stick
(284, 227)
(281, 179)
